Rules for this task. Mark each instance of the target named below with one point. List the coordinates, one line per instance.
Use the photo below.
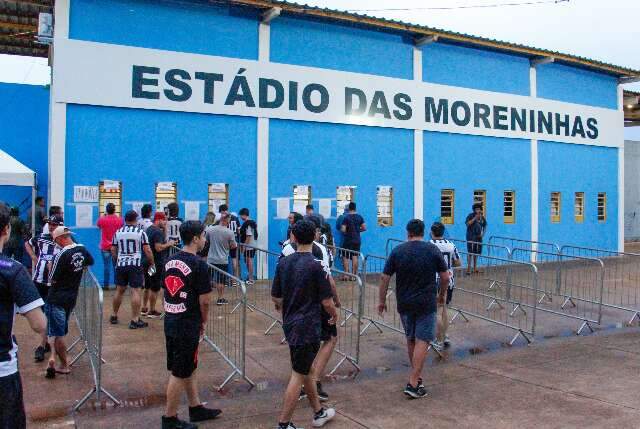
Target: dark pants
(109, 265)
(12, 414)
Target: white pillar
(534, 164)
(418, 147)
(621, 175)
(57, 115)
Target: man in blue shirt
(476, 227)
(351, 227)
(17, 294)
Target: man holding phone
(476, 227)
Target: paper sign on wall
(324, 207)
(164, 186)
(84, 216)
(191, 210)
(282, 211)
(111, 185)
(137, 206)
(85, 194)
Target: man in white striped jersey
(452, 258)
(128, 244)
(172, 231)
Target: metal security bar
(577, 281)
(512, 243)
(349, 288)
(88, 315)
(226, 325)
(339, 254)
(503, 292)
(391, 243)
(495, 250)
(622, 278)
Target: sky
(604, 30)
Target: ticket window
(110, 191)
(344, 196)
(166, 193)
(385, 205)
(218, 195)
(301, 198)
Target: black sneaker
(415, 392)
(447, 341)
(176, 423)
(47, 348)
(222, 301)
(322, 395)
(133, 325)
(420, 383)
(39, 354)
(153, 314)
(144, 311)
(141, 323)
(323, 416)
(200, 413)
(51, 372)
(113, 320)
(288, 425)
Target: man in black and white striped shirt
(127, 246)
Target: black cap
(131, 216)
(56, 219)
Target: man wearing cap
(108, 225)
(159, 246)
(42, 250)
(65, 275)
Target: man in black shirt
(17, 295)
(351, 227)
(66, 273)
(415, 264)
(476, 227)
(159, 246)
(300, 289)
(186, 304)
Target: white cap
(60, 231)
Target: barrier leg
(371, 323)
(520, 334)
(73, 344)
(517, 307)
(84, 399)
(585, 324)
(545, 295)
(636, 315)
(346, 319)
(494, 302)
(110, 396)
(455, 316)
(567, 301)
(78, 356)
(228, 379)
(275, 322)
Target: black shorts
(129, 275)
(182, 354)
(249, 253)
(12, 410)
(233, 253)
(474, 248)
(302, 357)
(220, 277)
(352, 247)
(327, 331)
(43, 290)
(154, 282)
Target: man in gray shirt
(220, 239)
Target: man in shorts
(17, 295)
(66, 273)
(248, 235)
(234, 226)
(476, 227)
(42, 250)
(172, 231)
(415, 264)
(300, 288)
(220, 241)
(159, 247)
(452, 258)
(351, 227)
(129, 242)
(186, 304)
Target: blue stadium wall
(141, 147)
(24, 121)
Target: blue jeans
(108, 265)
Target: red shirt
(108, 225)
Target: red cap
(159, 216)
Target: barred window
(555, 207)
(218, 195)
(509, 207)
(480, 196)
(344, 195)
(602, 206)
(447, 206)
(579, 207)
(166, 193)
(110, 191)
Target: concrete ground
(565, 381)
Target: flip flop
(51, 373)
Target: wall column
(621, 175)
(533, 92)
(418, 147)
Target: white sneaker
(323, 417)
(447, 341)
(289, 426)
(437, 345)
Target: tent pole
(33, 210)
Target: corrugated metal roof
(444, 35)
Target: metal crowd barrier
(390, 245)
(512, 243)
(349, 288)
(577, 281)
(495, 250)
(340, 253)
(88, 315)
(503, 292)
(622, 277)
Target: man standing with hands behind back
(476, 226)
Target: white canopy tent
(14, 173)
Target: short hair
(243, 212)
(190, 230)
(4, 217)
(54, 210)
(297, 217)
(437, 229)
(476, 206)
(174, 209)
(146, 210)
(223, 208)
(415, 228)
(309, 207)
(352, 206)
(39, 199)
(111, 208)
(14, 211)
(304, 231)
(131, 216)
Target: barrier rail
(388, 246)
(621, 289)
(496, 250)
(340, 254)
(88, 315)
(349, 288)
(503, 292)
(512, 243)
(578, 281)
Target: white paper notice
(192, 210)
(84, 216)
(85, 194)
(111, 185)
(324, 207)
(300, 206)
(137, 206)
(164, 186)
(282, 208)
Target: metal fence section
(349, 289)
(88, 315)
(391, 243)
(503, 292)
(339, 254)
(226, 325)
(577, 282)
(621, 289)
(512, 243)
